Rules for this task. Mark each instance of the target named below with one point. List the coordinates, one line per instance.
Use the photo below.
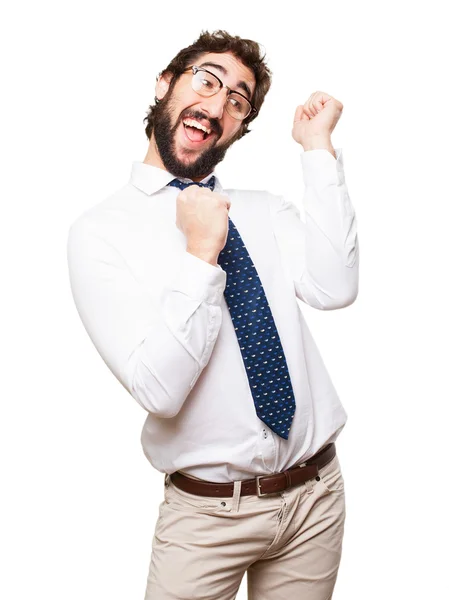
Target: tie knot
(181, 185)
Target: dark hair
(247, 51)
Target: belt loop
(236, 496)
(308, 485)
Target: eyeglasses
(206, 83)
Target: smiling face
(182, 150)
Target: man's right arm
(156, 346)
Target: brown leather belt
(262, 484)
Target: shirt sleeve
(156, 345)
(320, 252)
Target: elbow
(328, 299)
(154, 398)
(150, 393)
(342, 300)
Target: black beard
(164, 136)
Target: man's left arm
(322, 252)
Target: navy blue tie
(256, 331)
(181, 185)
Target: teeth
(193, 123)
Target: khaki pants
(289, 543)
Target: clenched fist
(316, 119)
(202, 215)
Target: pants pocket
(181, 500)
(331, 477)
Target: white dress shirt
(158, 317)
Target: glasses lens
(238, 106)
(205, 84)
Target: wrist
(319, 143)
(209, 256)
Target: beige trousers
(288, 543)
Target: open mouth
(196, 135)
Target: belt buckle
(259, 493)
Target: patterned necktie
(256, 332)
(181, 185)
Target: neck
(153, 158)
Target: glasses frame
(195, 70)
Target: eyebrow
(241, 84)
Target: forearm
(170, 360)
(321, 249)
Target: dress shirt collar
(151, 179)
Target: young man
(189, 292)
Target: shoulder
(116, 208)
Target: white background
(79, 501)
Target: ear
(163, 84)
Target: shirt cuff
(200, 280)
(320, 167)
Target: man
(189, 292)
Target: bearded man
(189, 291)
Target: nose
(214, 105)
